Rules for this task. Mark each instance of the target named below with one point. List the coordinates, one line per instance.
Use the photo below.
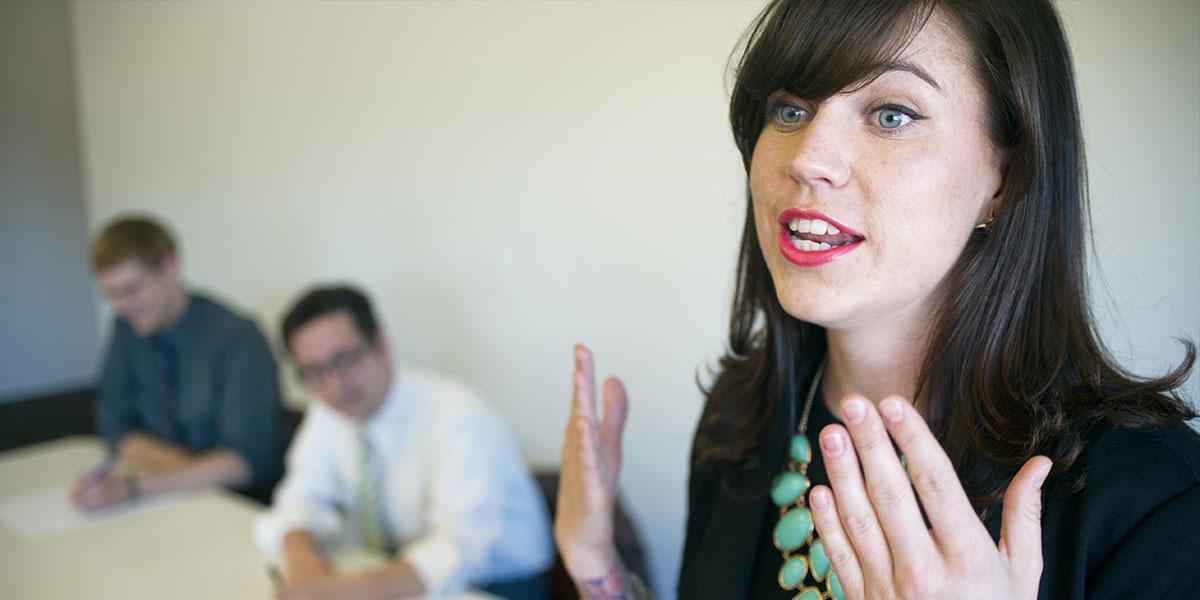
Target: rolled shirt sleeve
(310, 494)
(487, 520)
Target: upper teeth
(816, 226)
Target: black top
(1133, 531)
(207, 382)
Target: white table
(193, 546)
(188, 546)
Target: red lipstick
(849, 239)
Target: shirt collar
(182, 328)
(383, 426)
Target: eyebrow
(908, 67)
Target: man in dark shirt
(189, 395)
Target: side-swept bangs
(815, 49)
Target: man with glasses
(398, 463)
(189, 392)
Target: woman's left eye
(890, 118)
(893, 116)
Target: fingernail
(854, 411)
(819, 500)
(832, 443)
(1045, 474)
(892, 410)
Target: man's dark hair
(320, 301)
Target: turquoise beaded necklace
(802, 570)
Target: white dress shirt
(458, 500)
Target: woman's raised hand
(591, 460)
(872, 528)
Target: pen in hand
(102, 470)
(88, 491)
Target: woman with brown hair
(914, 230)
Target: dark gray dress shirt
(208, 382)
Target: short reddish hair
(139, 238)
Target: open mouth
(808, 238)
(817, 235)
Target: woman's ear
(989, 209)
(993, 206)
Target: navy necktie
(168, 388)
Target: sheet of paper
(48, 513)
(42, 513)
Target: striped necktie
(370, 491)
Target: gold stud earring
(987, 223)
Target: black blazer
(1133, 531)
(726, 508)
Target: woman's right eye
(787, 113)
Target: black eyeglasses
(313, 375)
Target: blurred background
(505, 178)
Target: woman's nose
(821, 153)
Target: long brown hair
(1026, 373)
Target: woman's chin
(810, 309)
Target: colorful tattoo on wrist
(614, 585)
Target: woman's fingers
(584, 403)
(579, 443)
(888, 488)
(583, 520)
(1021, 525)
(854, 508)
(836, 544)
(616, 407)
(871, 524)
(957, 529)
(581, 446)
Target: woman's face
(863, 202)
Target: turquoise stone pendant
(809, 593)
(800, 450)
(791, 575)
(834, 587)
(787, 487)
(793, 529)
(795, 532)
(818, 562)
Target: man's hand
(325, 588)
(309, 576)
(302, 561)
(90, 492)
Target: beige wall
(509, 178)
(48, 335)
(1139, 83)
